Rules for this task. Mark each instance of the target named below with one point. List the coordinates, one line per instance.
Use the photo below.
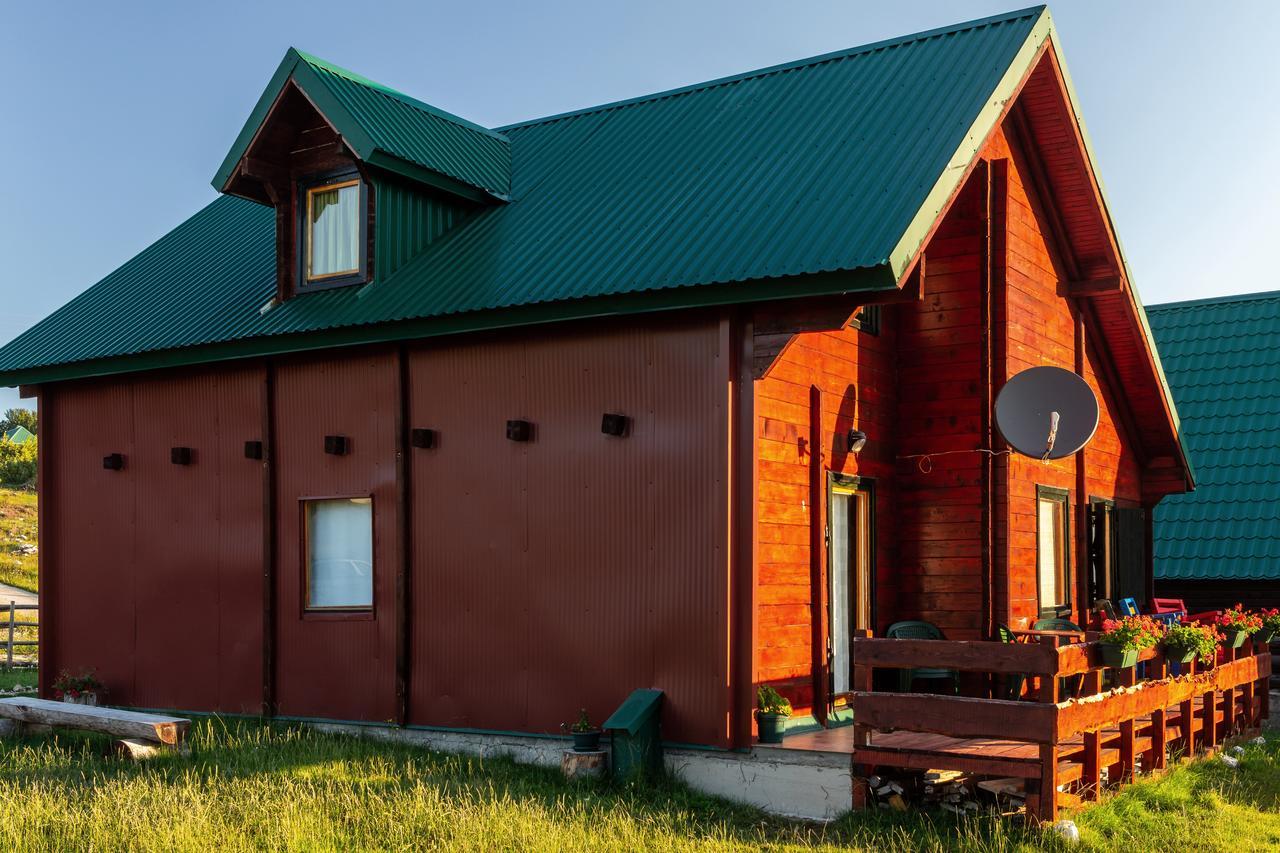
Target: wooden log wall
(917, 388)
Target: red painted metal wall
(154, 571)
(337, 666)
(567, 571)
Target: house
(18, 435)
(1221, 544)
(465, 428)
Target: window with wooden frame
(868, 319)
(338, 553)
(333, 223)
(1053, 554)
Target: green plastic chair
(1012, 683)
(916, 630)
(1056, 625)
(1072, 683)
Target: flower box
(1118, 658)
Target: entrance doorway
(850, 572)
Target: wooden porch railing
(1056, 740)
(11, 623)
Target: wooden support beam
(1187, 726)
(1127, 678)
(1095, 287)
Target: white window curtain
(335, 230)
(340, 553)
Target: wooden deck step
(111, 721)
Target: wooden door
(850, 572)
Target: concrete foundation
(795, 783)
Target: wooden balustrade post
(1187, 726)
(1250, 720)
(862, 683)
(1127, 678)
(1209, 715)
(1092, 774)
(1228, 711)
(1157, 756)
(1042, 793)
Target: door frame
(847, 484)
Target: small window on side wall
(1052, 554)
(338, 560)
(333, 232)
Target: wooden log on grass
(138, 749)
(125, 724)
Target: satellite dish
(1047, 412)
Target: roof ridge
(407, 100)
(1216, 300)
(844, 53)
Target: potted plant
(84, 689)
(1270, 626)
(586, 734)
(1123, 638)
(1182, 643)
(1236, 623)
(772, 711)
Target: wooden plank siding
(916, 387)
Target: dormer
(334, 153)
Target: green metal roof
(18, 435)
(819, 176)
(1223, 365)
(386, 128)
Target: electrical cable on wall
(926, 465)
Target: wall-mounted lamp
(113, 462)
(336, 445)
(253, 450)
(613, 424)
(519, 430)
(855, 440)
(424, 438)
(180, 455)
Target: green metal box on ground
(636, 735)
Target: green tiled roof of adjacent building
(1222, 360)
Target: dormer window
(333, 231)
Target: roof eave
(868, 280)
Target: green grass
(18, 528)
(17, 678)
(250, 786)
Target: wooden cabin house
(437, 425)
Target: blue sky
(115, 115)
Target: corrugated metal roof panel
(820, 166)
(417, 132)
(1223, 366)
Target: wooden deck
(1054, 743)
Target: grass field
(249, 786)
(17, 529)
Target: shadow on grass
(226, 750)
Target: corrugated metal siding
(1222, 363)
(811, 167)
(198, 628)
(90, 515)
(417, 132)
(156, 569)
(407, 221)
(567, 571)
(341, 667)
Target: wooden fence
(1047, 739)
(13, 623)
